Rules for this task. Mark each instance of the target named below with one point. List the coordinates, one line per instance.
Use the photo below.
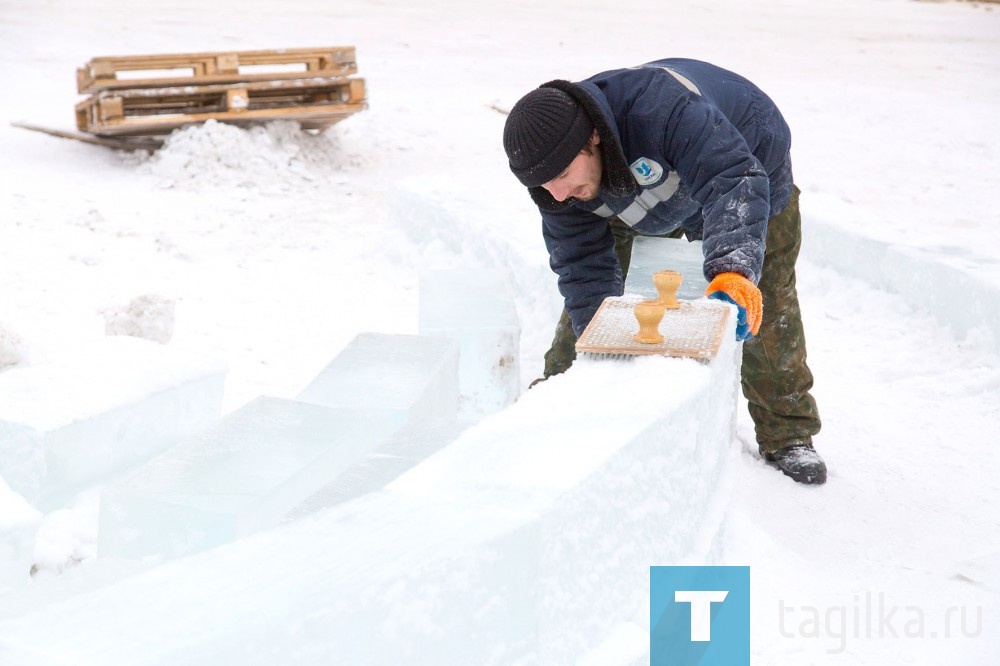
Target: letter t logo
(701, 610)
(699, 616)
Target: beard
(589, 194)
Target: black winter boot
(799, 461)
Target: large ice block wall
(58, 436)
(529, 537)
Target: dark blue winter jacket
(685, 145)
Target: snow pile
(274, 158)
(149, 316)
(18, 526)
(66, 538)
(10, 348)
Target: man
(677, 146)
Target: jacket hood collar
(617, 176)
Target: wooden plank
(121, 143)
(105, 65)
(257, 88)
(104, 72)
(259, 55)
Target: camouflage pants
(774, 375)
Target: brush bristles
(607, 357)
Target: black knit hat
(544, 132)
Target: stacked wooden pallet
(152, 95)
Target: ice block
(239, 476)
(413, 376)
(74, 422)
(475, 307)
(651, 254)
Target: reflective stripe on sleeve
(683, 80)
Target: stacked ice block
(240, 476)
(261, 462)
(527, 540)
(475, 307)
(398, 453)
(414, 377)
(74, 422)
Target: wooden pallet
(314, 102)
(154, 71)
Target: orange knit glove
(744, 294)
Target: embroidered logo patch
(646, 171)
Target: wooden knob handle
(667, 283)
(649, 314)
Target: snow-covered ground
(273, 244)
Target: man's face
(581, 180)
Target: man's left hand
(744, 294)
